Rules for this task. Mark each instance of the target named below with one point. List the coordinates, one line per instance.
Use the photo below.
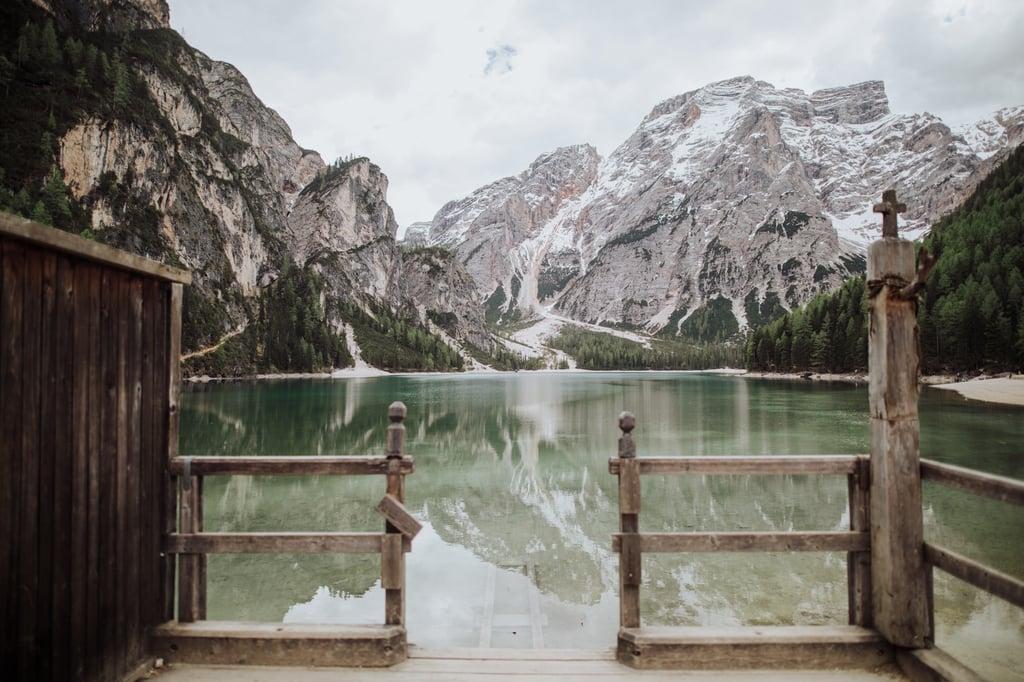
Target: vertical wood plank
(898, 576)
(394, 597)
(47, 456)
(858, 564)
(163, 352)
(149, 466)
(11, 331)
(110, 344)
(173, 366)
(118, 484)
(63, 485)
(10, 389)
(187, 570)
(29, 539)
(200, 560)
(86, 307)
(630, 557)
(392, 562)
(173, 369)
(130, 541)
(94, 387)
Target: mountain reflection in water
(513, 487)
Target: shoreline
(1005, 389)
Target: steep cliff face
(344, 212)
(116, 16)
(736, 199)
(211, 171)
(504, 231)
(446, 294)
(169, 154)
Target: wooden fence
(970, 571)
(889, 563)
(647, 647)
(189, 641)
(89, 360)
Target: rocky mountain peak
(852, 105)
(728, 203)
(116, 16)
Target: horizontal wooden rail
(276, 543)
(809, 464)
(990, 580)
(750, 542)
(997, 487)
(285, 466)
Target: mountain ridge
(735, 195)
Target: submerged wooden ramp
(510, 665)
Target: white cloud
(449, 95)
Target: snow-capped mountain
(737, 198)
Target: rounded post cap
(396, 411)
(627, 421)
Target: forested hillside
(970, 313)
(829, 334)
(971, 317)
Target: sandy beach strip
(1005, 390)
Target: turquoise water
(513, 488)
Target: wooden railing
(192, 544)
(631, 543)
(970, 571)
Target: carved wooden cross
(889, 208)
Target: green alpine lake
(512, 486)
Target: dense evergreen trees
(394, 343)
(971, 309)
(829, 334)
(598, 350)
(971, 315)
(47, 84)
(292, 333)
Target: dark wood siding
(84, 427)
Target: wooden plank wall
(83, 437)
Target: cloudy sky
(449, 95)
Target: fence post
(392, 559)
(858, 564)
(629, 526)
(899, 578)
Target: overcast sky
(449, 95)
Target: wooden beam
(970, 571)
(399, 517)
(858, 564)
(899, 580)
(840, 541)
(753, 648)
(997, 487)
(287, 466)
(392, 560)
(280, 644)
(933, 665)
(767, 465)
(65, 242)
(275, 543)
(631, 555)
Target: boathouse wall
(88, 386)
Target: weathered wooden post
(899, 576)
(629, 526)
(392, 559)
